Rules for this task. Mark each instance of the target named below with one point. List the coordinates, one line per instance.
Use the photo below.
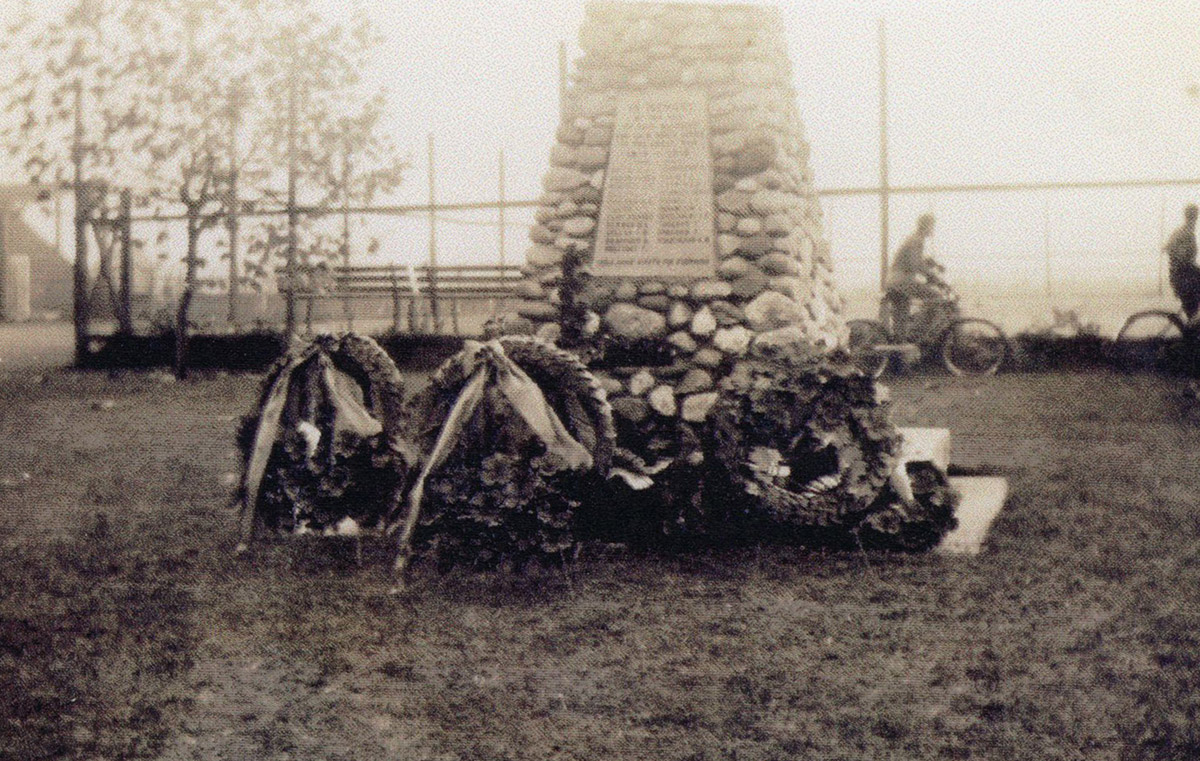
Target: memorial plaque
(656, 215)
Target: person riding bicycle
(914, 276)
(1184, 274)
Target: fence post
(396, 302)
(125, 224)
(311, 294)
(454, 315)
(434, 312)
(289, 312)
(414, 293)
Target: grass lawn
(127, 630)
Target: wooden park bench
(408, 286)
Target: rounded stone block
(569, 135)
(772, 179)
(750, 284)
(630, 408)
(550, 332)
(736, 202)
(626, 291)
(560, 179)
(703, 322)
(662, 400)
(544, 256)
(579, 226)
(641, 382)
(778, 225)
(683, 341)
(659, 302)
(597, 136)
(562, 155)
(586, 194)
(755, 246)
(771, 310)
(733, 268)
(708, 357)
(789, 335)
(792, 286)
(542, 234)
(772, 201)
(696, 407)
(734, 340)
(629, 321)
(778, 263)
(756, 156)
(694, 381)
(679, 314)
(749, 226)
(727, 244)
(706, 290)
(591, 157)
(726, 314)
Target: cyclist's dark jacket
(1184, 274)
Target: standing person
(912, 275)
(1184, 274)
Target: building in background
(35, 280)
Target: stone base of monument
(980, 497)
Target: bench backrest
(471, 280)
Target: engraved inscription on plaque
(656, 215)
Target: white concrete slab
(982, 497)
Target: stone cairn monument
(679, 184)
(678, 262)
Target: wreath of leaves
(834, 447)
(497, 498)
(913, 527)
(347, 476)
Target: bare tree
(311, 77)
(363, 164)
(73, 108)
(189, 145)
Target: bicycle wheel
(1146, 339)
(865, 338)
(973, 347)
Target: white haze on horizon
(979, 92)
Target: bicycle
(1154, 339)
(966, 345)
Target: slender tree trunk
(231, 220)
(189, 288)
(125, 297)
(231, 226)
(80, 301)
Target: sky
(979, 92)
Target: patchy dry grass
(127, 630)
